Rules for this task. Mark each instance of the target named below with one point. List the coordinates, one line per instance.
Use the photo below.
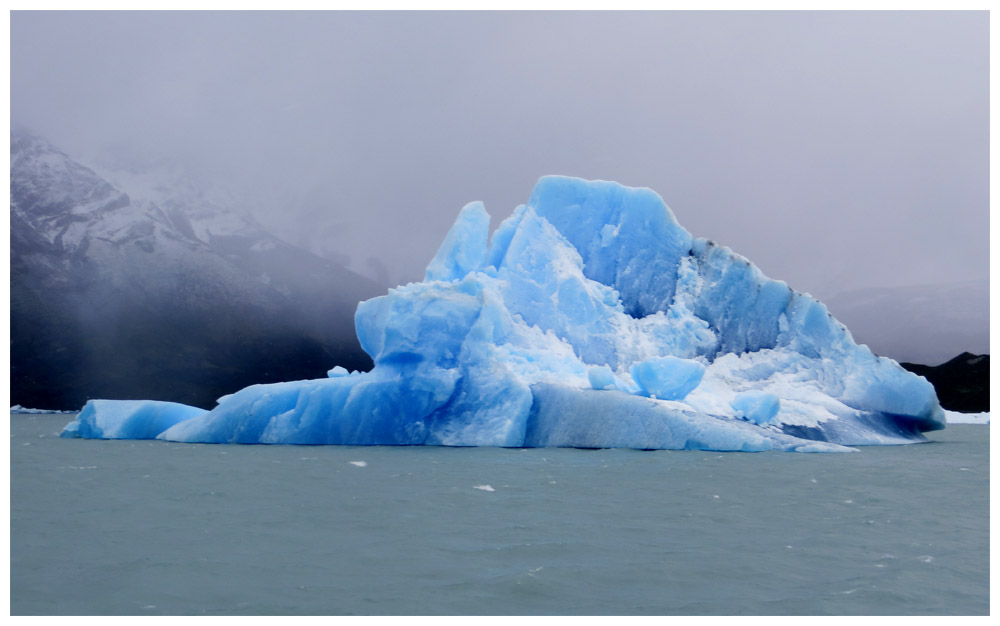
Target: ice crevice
(590, 318)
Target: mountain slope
(962, 384)
(165, 295)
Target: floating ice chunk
(484, 488)
(358, 463)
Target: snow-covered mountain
(133, 281)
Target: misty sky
(836, 150)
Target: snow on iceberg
(590, 318)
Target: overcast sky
(836, 150)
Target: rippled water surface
(148, 528)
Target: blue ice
(590, 318)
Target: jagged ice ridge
(592, 319)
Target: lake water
(153, 528)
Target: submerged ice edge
(590, 318)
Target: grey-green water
(148, 528)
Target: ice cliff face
(590, 318)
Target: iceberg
(589, 318)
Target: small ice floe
(484, 488)
(954, 417)
(848, 501)
(715, 497)
(17, 408)
(358, 463)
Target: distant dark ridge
(962, 384)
